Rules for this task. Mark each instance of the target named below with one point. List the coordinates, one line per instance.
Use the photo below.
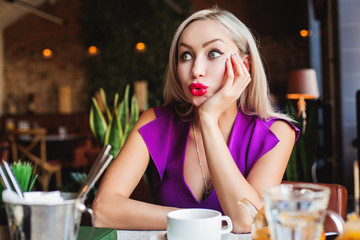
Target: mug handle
(337, 219)
(229, 226)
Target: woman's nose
(198, 69)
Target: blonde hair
(255, 98)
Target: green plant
(113, 126)
(25, 174)
(304, 152)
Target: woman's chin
(198, 102)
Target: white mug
(197, 224)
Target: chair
(31, 144)
(4, 150)
(337, 202)
(358, 122)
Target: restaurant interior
(56, 54)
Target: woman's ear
(247, 62)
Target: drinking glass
(297, 211)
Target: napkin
(34, 198)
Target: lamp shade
(303, 83)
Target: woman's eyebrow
(211, 41)
(185, 45)
(204, 44)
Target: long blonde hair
(255, 98)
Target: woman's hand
(236, 79)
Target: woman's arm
(112, 206)
(231, 185)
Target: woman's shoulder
(145, 117)
(277, 124)
(284, 128)
(153, 113)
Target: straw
(102, 161)
(4, 178)
(13, 179)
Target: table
(132, 235)
(46, 146)
(146, 235)
(60, 147)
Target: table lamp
(303, 85)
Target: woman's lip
(197, 89)
(197, 86)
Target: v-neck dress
(166, 138)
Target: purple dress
(166, 138)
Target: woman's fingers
(240, 70)
(238, 76)
(229, 73)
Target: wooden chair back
(4, 150)
(25, 142)
(30, 144)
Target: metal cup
(58, 221)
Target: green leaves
(98, 123)
(114, 135)
(304, 152)
(115, 127)
(25, 175)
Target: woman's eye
(215, 54)
(185, 56)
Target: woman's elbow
(99, 214)
(242, 225)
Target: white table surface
(147, 235)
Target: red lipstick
(197, 89)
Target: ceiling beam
(9, 13)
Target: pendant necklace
(207, 187)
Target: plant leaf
(133, 117)
(116, 99)
(24, 173)
(103, 98)
(134, 111)
(98, 124)
(126, 101)
(31, 185)
(122, 115)
(114, 135)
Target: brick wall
(26, 71)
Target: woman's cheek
(219, 72)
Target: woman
(216, 140)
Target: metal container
(58, 221)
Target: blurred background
(55, 55)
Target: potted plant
(25, 174)
(112, 126)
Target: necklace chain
(207, 187)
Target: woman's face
(203, 48)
